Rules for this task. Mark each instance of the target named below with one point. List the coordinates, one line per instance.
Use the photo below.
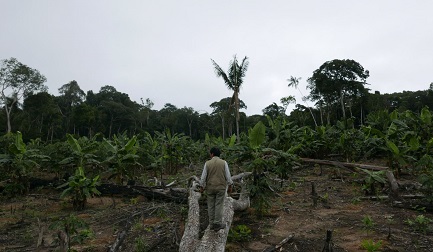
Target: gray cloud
(162, 49)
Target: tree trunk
(237, 116)
(393, 184)
(8, 118)
(211, 240)
(222, 124)
(342, 105)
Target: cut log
(190, 237)
(211, 240)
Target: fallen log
(385, 197)
(351, 166)
(170, 194)
(179, 195)
(414, 205)
(211, 240)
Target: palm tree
(233, 80)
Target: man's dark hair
(215, 151)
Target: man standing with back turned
(215, 178)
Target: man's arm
(227, 174)
(203, 177)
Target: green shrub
(370, 245)
(420, 223)
(239, 233)
(368, 223)
(75, 229)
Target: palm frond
(220, 73)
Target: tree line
(338, 91)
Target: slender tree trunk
(190, 127)
(230, 129)
(342, 104)
(52, 132)
(237, 116)
(41, 124)
(321, 115)
(222, 125)
(110, 128)
(8, 118)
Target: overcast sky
(162, 50)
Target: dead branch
(279, 245)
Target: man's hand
(230, 189)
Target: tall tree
(233, 80)
(146, 108)
(71, 95)
(294, 82)
(116, 112)
(222, 109)
(42, 116)
(190, 116)
(337, 79)
(17, 81)
(274, 111)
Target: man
(215, 178)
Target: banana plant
(122, 157)
(259, 189)
(80, 188)
(400, 143)
(82, 154)
(372, 179)
(148, 152)
(18, 163)
(172, 149)
(425, 175)
(350, 143)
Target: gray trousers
(215, 206)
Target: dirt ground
(26, 222)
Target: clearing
(150, 225)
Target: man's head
(215, 152)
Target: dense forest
(38, 114)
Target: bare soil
(157, 226)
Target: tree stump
(329, 246)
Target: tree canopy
(337, 79)
(16, 82)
